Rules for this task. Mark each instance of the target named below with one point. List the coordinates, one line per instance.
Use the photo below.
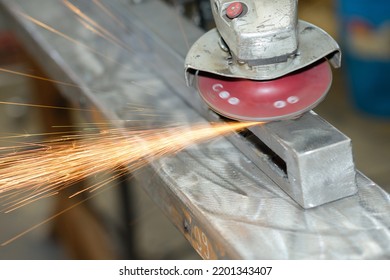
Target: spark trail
(38, 170)
(26, 176)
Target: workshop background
(358, 105)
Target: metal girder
(221, 201)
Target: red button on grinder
(234, 10)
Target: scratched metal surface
(222, 203)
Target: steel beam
(215, 194)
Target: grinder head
(261, 53)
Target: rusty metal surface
(223, 204)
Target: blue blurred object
(366, 48)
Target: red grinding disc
(281, 98)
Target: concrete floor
(156, 237)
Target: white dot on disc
(234, 100)
(280, 104)
(217, 87)
(292, 99)
(224, 94)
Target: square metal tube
(314, 164)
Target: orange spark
(37, 77)
(66, 37)
(44, 106)
(55, 31)
(109, 13)
(94, 26)
(61, 163)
